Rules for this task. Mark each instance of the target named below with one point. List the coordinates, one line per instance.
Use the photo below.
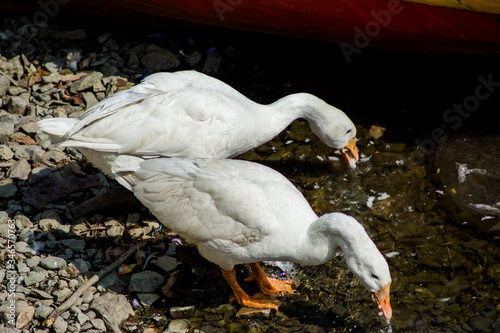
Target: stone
(6, 128)
(83, 266)
(159, 61)
(7, 188)
(25, 151)
(165, 263)
(22, 268)
(22, 247)
(22, 222)
(85, 82)
(40, 294)
(48, 224)
(472, 182)
(53, 263)
(55, 156)
(179, 326)
(182, 311)
(113, 309)
(146, 282)
(77, 245)
(147, 299)
(60, 325)
(246, 313)
(19, 170)
(42, 312)
(4, 84)
(30, 128)
(90, 99)
(5, 152)
(62, 295)
(18, 104)
(98, 324)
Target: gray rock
(18, 104)
(30, 128)
(33, 261)
(22, 247)
(62, 295)
(5, 152)
(6, 128)
(146, 282)
(25, 151)
(82, 318)
(22, 268)
(98, 324)
(27, 236)
(83, 265)
(4, 84)
(22, 222)
(19, 170)
(53, 263)
(113, 309)
(85, 82)
(158, 61)
(165, 263)
(7, 188)
(115, 231)
(147, 299)
(40, 294)
(77, 245)
(179, 326)
(55, 155)
(43, 311)
(87, 297)
(33, 278)
(60, 325)
(90, 99)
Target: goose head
(362, 257)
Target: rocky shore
(62, 220)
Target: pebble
(146, 282)
(53, 263)
(60, 325)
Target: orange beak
(383, 300)
(350, 153)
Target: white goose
(192, 115)
(239, 212)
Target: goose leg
(243, 298)
(270, 286)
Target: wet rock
(146, 282)
(474, 183)
(147, 299)
(386, 159)
(53, 263)
(182, 311)
(179, 326)
(19, 170)
(113, 309)
(246, 313)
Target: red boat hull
(354, 24)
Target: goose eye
(375, 277)
(348, 131)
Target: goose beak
(383, 301)
(350, 153)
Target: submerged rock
(469, 168)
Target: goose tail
(58, 129)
